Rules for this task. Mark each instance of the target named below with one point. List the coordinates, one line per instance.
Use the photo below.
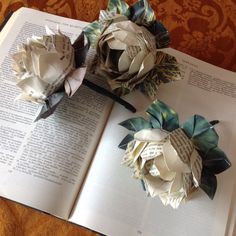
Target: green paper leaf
(162, 114)
(195, 125)
(150, 84)
(201, 132)
(118, 7)
(206, 140)
(142, 13)
(125, 141)
(161, 34)
(216, 161)
(136, 124)
(208, 184)
(50, 106)
(93, 32)
(167, 69)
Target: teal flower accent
(200, 162)
(127, 39)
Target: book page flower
(42, 64)
(127, 40)
(172, 160)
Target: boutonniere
(170, 159)
(127, 41)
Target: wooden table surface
(205, 29)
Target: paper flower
(47, 67)
(127, 40)
(173, 160)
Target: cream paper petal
(177, 183)
(116, 44)
(164, 172)
(147, 65)
(25, 97)
(149, 39)
(51, 67)
(155, 185)
(132, 51)
(196, 167)
(128, 38)
(49, 31)
(182, 144)
(150, 135)
(129, 26)
(124, 62)
(187, 183)
(35, 88)
(74, 80)
(18, 65)
(152, 150)
(172, 159)
(172, 199)
(138, 148)
(136, 62)
(128, 157)
(152, 169)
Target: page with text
(114, 203)
(42, 164)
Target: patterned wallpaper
(205, 29)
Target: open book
(69, 164)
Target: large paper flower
(127, 40)
(47, 67)
(173, 160)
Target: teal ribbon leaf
(162, 116)
(136, 124)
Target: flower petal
(172, 159)
(164, 172)
(136, 62)
(177, 183)
(173, 199)
(147, 65)
(150, 135)
(74, 80)
(152, 150)
(124, 62)
(196, 167)
(155, 185)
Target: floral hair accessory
(48, 67)
(173, 160)
(127, 41)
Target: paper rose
(47, 67)
(127, 40)
(172, 160)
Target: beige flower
(42, 64)
(168, 164)
(126, 52)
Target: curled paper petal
(74, 80)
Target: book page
(42, 164)
(114, 203)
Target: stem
(214, 122)
(105, 92)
